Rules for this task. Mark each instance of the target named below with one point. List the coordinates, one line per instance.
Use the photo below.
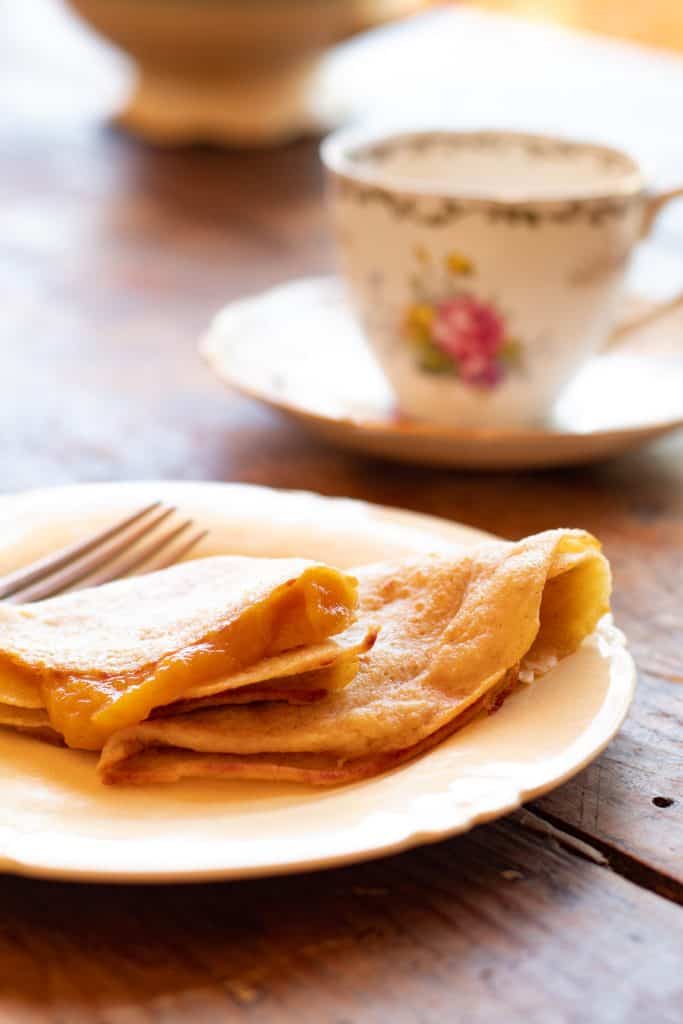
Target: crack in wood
(601, 852)
(537, 822)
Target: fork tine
(87, 564)
(21, 578)
(177, 553)
(140, 554)
(148, 559)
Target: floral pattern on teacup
(453, 331)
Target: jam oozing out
(305, 611)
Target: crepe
(90, 663)
(33, 721)
(301, 676)
(454, 636)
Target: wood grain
(113, 257)
(501, 921)
(628, 802)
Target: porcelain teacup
(485, 267)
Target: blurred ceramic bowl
(228, 70)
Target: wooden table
(113, 257)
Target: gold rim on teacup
(485, 267)
(359, 157)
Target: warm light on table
(114, 256)
(653, 22)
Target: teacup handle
(653, 207)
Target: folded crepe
(455, 634)
(88, 664)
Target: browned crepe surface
(157, 764)
(101, 659)
(451, 631)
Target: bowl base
(264, 106)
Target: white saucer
(297, 348)
(59, 821)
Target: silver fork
(135, 543)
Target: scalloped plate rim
(622, 683)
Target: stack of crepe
(289, 669)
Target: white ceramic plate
(58, 820)
(297, 348)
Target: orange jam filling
(308, 610)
